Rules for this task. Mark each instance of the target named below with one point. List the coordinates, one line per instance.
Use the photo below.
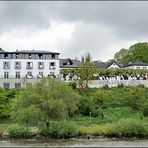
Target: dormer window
(29, 56)
(53, 56)
(17, 56)
(6, 55)
(40, 56)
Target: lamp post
(90, 116)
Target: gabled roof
(69, 63)
(117, 63)
(136, 63)
(100, 64)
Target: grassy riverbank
(108, 112)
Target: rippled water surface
(75, 143)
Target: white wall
(137, 67)
(23, 70)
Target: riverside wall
(114, 83)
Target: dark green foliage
(86, 106)
(20, 132)
(6, 97)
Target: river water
(75, 143)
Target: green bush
(125, 127)
(20, 132)
(60, 130)
(132, 127)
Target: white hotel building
(26, 66)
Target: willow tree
(85, 71)
(48, 99)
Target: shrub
(60, 130)
(20, 132)
(132, 127)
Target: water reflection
(75, 143)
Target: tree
(48, 99)
(120, 56)
(138, 51)
(85, 71)
(1, 49)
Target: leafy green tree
(85, 71)
(138, 51)
(48, 99)
(120, 56)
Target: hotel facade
(26, 66)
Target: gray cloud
(102, 25)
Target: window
(6, 85)
(6, 65)
(29, 75)
(6, 75)
(17, 85)
(138, 67)
(40, 75)
(17, 74)
(53, 56)
(40, 56)
(6, 56)
(144, 67)
(17, 55)
(52, 65)
(29, 56)
(17, 65)
(40, 65)
(29, 65)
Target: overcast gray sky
(73, 28)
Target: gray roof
(69, 63)
(100, 64)
(30, 51)
(136, 63)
